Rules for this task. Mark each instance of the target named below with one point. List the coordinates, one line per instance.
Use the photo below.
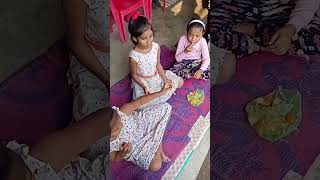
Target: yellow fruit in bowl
(290, 118)
(265, 101)
(196, 97)
(194, 101)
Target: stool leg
(164, 6)
(123, 32)
(119, 23)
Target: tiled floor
(204, 173)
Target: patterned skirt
(187, 68)
(268, 17)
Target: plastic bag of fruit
(275, 115)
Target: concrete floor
(169, 29)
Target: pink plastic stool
(120, 8)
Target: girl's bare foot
(245, 28)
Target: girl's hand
(189, 48)
(125, 149)
(199, 60)
(198, 74)
(166, 80)
(146, 91)
(167, 86)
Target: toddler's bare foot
(164, 157)
(245, 28)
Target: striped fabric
(268, 16)
(256, 11)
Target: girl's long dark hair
(137, 27)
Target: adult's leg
(59, 148)
(90, 95)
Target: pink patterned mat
(237, 153)
(36, 100)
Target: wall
(27, 29)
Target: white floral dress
(90, 94)
(78, 169)
(146, 68)
(144, 131)
(89, 91)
